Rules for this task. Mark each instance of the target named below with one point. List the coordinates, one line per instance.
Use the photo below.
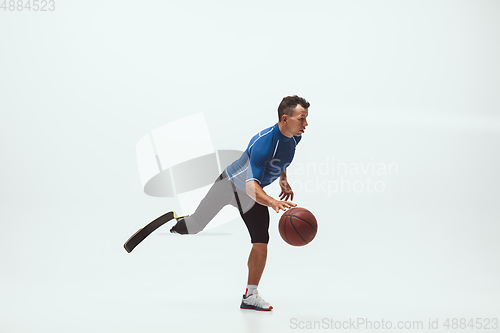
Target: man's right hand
(282, 205)
(256, 192)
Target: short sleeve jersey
(268, 154)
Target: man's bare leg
(256, 262)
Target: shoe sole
(256, 309)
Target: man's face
(297, 123)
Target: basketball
(298, 226)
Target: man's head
(292, 113)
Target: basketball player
(241, 184)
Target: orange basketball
(298, 226)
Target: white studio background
(408, 84)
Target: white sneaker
(255, 302)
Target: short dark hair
(288, 105)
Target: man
(241, 184)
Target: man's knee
(260, 248)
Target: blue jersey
(268, 154)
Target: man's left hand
(286, 190)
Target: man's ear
(284, 118)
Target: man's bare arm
(286, 190)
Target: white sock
(250, 289)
